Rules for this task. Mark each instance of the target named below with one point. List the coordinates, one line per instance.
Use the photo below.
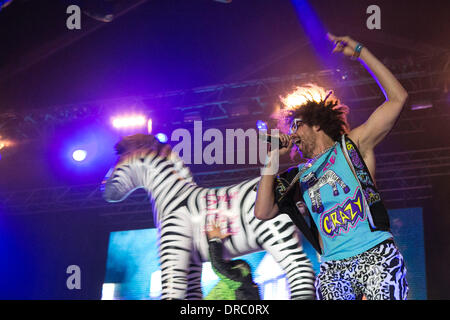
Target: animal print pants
(376, 274)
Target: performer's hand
(345, 44)
(216, 232)
(285, 140)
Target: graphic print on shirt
(328, 178)
(343, 217)
(335, 197)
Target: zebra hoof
(335, 193)
(346, 189)
(320, 209)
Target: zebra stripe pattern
(181, 210)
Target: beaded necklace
(307, 165)
(313, 160)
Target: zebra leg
(194, 277)
(315, 194)
(334, 187)
(284, 246)
(343, 186)
(313, 200)
(333, 179)
(175, 247)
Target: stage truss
(426, 79)
(403, 177)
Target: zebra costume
(182, 210)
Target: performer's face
(304, 138)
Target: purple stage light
(79, 155)
(261, 125)
(65, 152)
(149, 126)
(128, 122)
(161, 137)
(315, 30)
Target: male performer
(333, 198)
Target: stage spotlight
(315, 30)
(128, 122)
(149, 126)
(261, 125)
(79, 155)
(161, 137)
(5, 143)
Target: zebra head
(141, 158)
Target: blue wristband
(357, 51)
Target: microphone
(276, 140)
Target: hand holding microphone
(280, 145)
(282, 141)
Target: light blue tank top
(338, 208)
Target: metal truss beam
(426, 77)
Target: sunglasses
(296, 123)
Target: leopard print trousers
(376, 274)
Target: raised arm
(382, 120)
